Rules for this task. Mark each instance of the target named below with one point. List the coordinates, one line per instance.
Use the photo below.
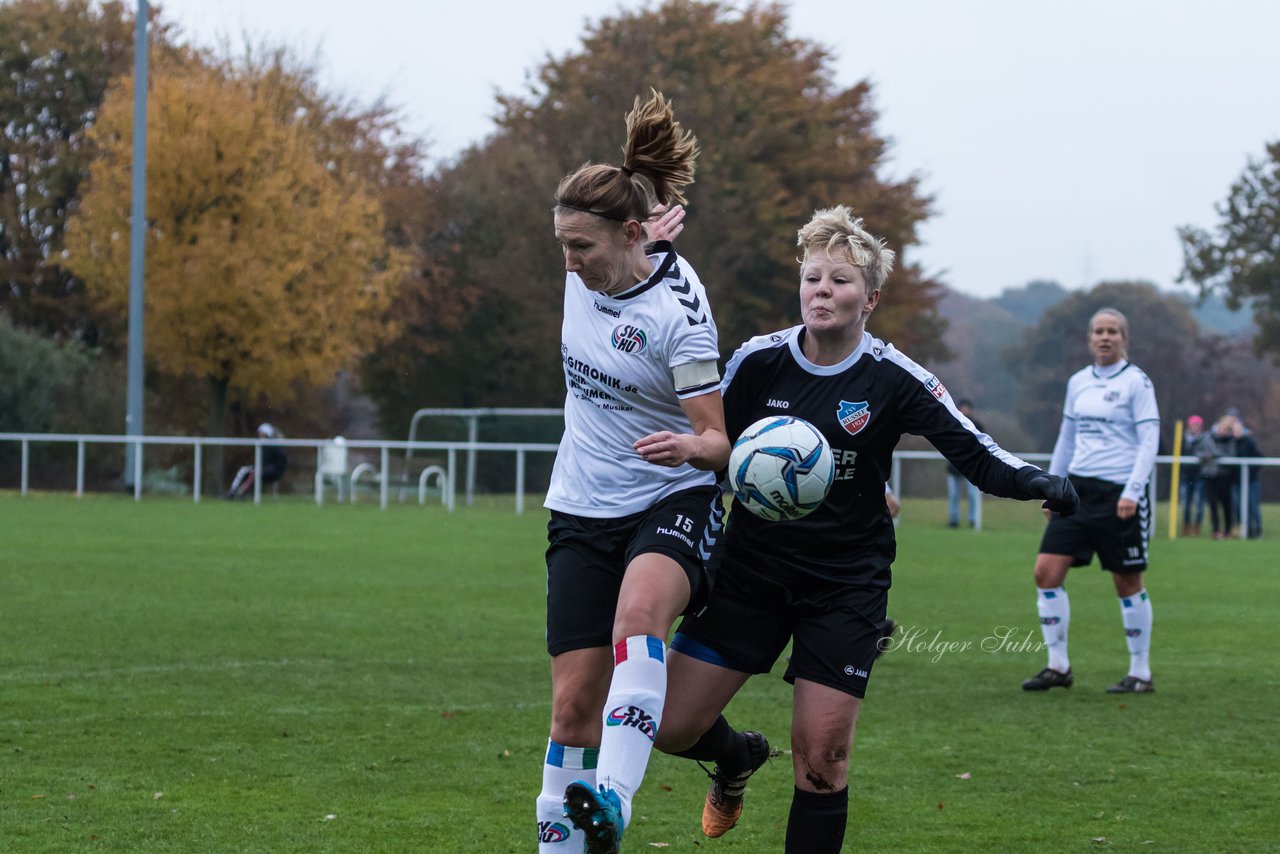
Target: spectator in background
(1221, 480)
(1196, 445)
(1245, 445)
(274, 461)
(957, 482)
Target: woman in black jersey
(821, 580)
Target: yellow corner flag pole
(1173, 483)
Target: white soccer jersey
(1110, 427)
(620, 358)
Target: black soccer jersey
(863, 406)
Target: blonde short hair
(837, 228)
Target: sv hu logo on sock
(552, 831)
(633, 717)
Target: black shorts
(750, 617)
(1121, 544)
(587, 558)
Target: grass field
(225, 677)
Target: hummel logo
(693, 307)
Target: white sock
(632, 714)
(1055, 617)
(1135, 610)
(563, 765)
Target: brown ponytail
(658, 162)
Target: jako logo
(850, 670)
(630, 339)
(1050, 621)
(633, 717)
(1133, 633)
(551, 832)
(779, 404)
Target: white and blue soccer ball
(781, 468)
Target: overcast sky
(1062, 141)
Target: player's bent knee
(822, 772)
(576, 724)
(677, 733)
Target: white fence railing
(446, 477)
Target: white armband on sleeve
(695, 377)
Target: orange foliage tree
(266, 266)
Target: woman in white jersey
(633, 501)
(1107, 445)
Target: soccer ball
(781, 468)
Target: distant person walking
(1107, 446)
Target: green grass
(225, 677)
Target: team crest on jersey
(630, 339)
(936, 388)
(853, 416)
(1111, 396)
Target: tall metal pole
(137, 233)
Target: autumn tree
(1242, 258)
(1165, 341)
(779, 139)
(265, 266)
(57, 58)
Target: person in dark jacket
(1246, 446)
(274, 461)
(1197, 445)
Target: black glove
(1058, 493)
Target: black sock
(720, 744)
(816, 824)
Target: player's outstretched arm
(1058, 493)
